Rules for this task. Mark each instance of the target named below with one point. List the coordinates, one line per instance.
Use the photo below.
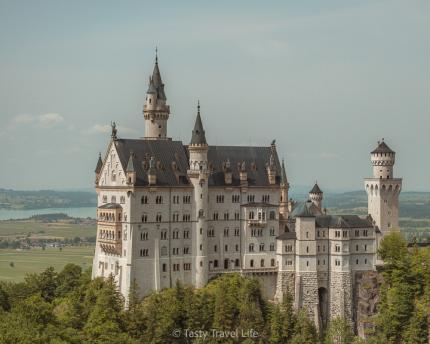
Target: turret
(98, 167)
(199, 175)
(316, 196)
(383, 158)
(156, 111)
(285, 186)
(130, 171)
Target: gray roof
(316, 189)
(130, 164)
(110, 206)
(198, 137)
(158, 83)
(343, 221)
(305, 209)
(255, 159)
(171, 159)
(286, 236)
(382, 148)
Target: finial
(273, 143)
(114, 130)
(156, 54)
(382, 139)
(100, 155)
(198, 106)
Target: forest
(68, 307)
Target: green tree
(339, 332)
(304, 330)
(68, 279)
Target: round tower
(383, 189)
(199, 174)
(316, 196)
(155, 111)
(383, 159)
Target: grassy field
(41, 230)
(36, 260)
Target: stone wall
(341, 295)
(308, 294)
(366, 299)
(284, 283)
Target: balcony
(257, 223)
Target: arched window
(272, 215)
(251, 215)
(251, 263)
(262, 263)
(272, 262)
(251, 247)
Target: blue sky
(326, 79)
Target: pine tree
(339, 332)
(304, 330)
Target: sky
(326, 79)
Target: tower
(316, 196)
(156, 111)
(383, 189)
(199, 174)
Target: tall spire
(198, 137)
(284, 179)
(156, 79)
(99, 164)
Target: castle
(169, 211)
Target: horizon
(312, 77)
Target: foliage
(69, 307)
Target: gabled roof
(305, 209)
(343, 221)
(316, 189)
(382, 148)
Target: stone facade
(169, 211)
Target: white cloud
(50, 119)
(22, 119)
(106, 128)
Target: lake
(6, 214)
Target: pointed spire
(99, 164)
(316, 189)
(130, 164)
(198, 137)
(156, 79)
(284, 179)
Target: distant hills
(27, 200)
(412, 204)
